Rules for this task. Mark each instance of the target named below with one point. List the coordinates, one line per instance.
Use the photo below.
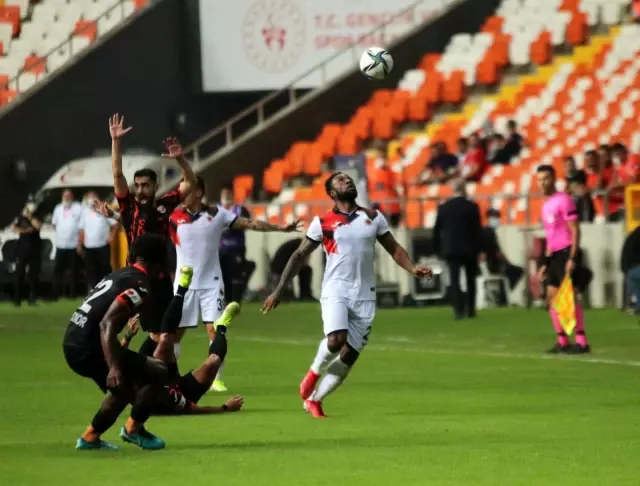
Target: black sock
(182, 291)
(219, 344)
(141, 406)
(109, 412)
(148, 347)
(172, 368)
(173, 315)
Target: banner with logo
(267, 44)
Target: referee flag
(565, 305)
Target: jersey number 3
(102, 288)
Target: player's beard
(348, 196)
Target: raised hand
(422, 272)
(116, 127)
(173, 148)
(101, 207)
(297, 225)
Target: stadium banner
(251, 45)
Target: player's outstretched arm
(117, 131)
(401, 257)
(232, 405)
(242, 223)
(176, 152)
(290, 271)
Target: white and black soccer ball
(376, 63)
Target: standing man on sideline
(27, 226)
(141, 212)
(233, 250)
(458, 239)
(66, 220)
(94, 240)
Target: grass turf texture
(432, 401)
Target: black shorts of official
(91, 364)
(191, 389)
(160, 295)
(581, 276)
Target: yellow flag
(565, 305)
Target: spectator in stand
(570, 167)
(514, 142)
(496, 153)
(463, 148)
(577, 187)
(627, 171)
(441, 166)
(474, 164)
(635, 10)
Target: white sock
(337, 371)
(322, 358)
(220, 370)
(176, 350)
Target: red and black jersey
(138, 220)
(128, 285)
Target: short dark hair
(328, 184)
(578, 176)
(618, 147)
(570, 157)
(512, 124)
(546, 168)
(146, 172)
(606, 148)
(591, 153)
(149, 248)
(227, 187)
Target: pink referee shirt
(557, 212)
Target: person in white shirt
(195, 229)
(94, 240)
(66, 220)
(348, 234)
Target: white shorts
(354, 316)
(208, 303)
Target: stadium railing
(223, 136)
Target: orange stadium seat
(569, 105)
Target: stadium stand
(38, 37)
(578, 87)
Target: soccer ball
(376, 63)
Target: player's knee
(348, 355)
(336, 341)
(213, 361)
(551, 293)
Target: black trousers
(66, 263)
(232, 264)
(97, 264)
(463, 306)
(27, 268)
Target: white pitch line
(450, 352)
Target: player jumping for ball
(196, 229)
(348, 301)
(560, 220)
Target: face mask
(226, 201)
(379, 163)
(617, 160)
(66, 204)
(89, 202)
(494, 222)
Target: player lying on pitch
(181, 396)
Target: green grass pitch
(431, 402)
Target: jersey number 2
(99, 289)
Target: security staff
(27, 226)
(95, 236)
(233, 251)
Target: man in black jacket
(630, 266)
(457, 239)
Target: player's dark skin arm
(242, 223)
(400, 256)
(112, 323)
(294, 264)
